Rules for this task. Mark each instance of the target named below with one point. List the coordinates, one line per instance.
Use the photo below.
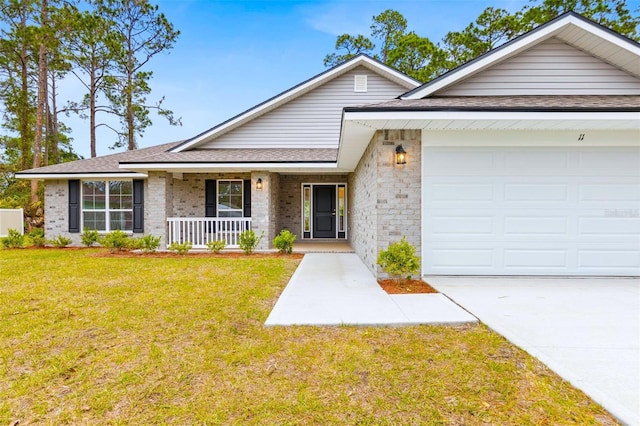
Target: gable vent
(360, 83)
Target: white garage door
(531, 210)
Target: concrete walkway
(586, 330)
(337, 288)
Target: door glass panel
(307, 209)
(341, 212)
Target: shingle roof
(244, 155)
(103, 164)
(159, 154)
(509, 103)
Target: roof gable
(572, 29)
(297, 91)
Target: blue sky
(232, 55)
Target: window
(107, 205)
(230, 203)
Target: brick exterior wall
(56, 211)
(290, 199)
(386, 197)
(158, 197)
(189, 192)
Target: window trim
(231, 181)
(107, 208)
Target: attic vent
(359, 83)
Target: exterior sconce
(259, 184)
(401, 155)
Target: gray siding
(551, 68)
(311, 120)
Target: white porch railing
(200, 230)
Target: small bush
(284, 241)
(150, 243)
(249, 241)
(181, 249)
(216, 245)
(115, 240)
(135, 244)
(89, 237)
(60, 241)
(37, 237)
(399, 260)
(15, 239)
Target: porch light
(401, 155)
(259, 184)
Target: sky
(232, 55)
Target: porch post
(158, 205)
(264, 206)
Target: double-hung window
(107, 205)
(230, 202)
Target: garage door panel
(531, 258)
(610, 226)
(535, 159)
(462, 192)
(609, 260)
(462, 225)
(609, 192)
(517, 226)
(566, 218)
(599, 158)
(536, 192)
(464, 258)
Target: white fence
(200, 230)
(11, 219)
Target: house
(524, 161)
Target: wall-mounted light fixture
(401, 155)
(259, 184)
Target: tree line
(106, 45)
(392, 43)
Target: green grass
(86, 339)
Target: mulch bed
(406, 287)
(168, 254)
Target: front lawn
(86, 339)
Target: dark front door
(324, 211)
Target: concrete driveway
(586, 330)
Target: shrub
(60, 241)
(135, 244)
(284, 241)
(115, 240)
(399, 260)
(150, 243)
(37, 237)
(181, 249)
(249, 240)
(216, 245)
(15, 239)
(89, 237)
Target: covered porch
(204, 207)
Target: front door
(324, 211)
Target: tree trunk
(130, 117)
(92, 111)
(42, 99)
(55, 153)
(23, 108)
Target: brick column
(158, 205)
(263, 206)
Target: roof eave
(82, 175)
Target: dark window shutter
(74, 206)
(210, 202)
(247, 198)
(138, 205)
